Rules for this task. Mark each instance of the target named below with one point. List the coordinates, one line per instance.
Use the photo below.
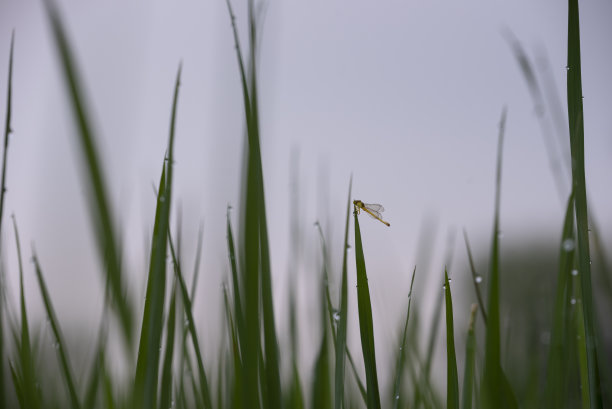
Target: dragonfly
(374, 210)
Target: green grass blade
(343, 311)
(476, 278)
(166, 379)
(576, 129)
(366, 325)
(93, 384)
(321, 387)
(147, 367)
(235, 354)
(495, 390)
(30, 391)
(204, 392)
(238, 312)
(99, 200)
(100, 209)
(452, 378)
(470, 352)
(7, 132)
(401, 359)
(555, 375)
(59, 338)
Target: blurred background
(404, 96)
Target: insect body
(374, 210)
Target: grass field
(551, 356)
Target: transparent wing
(374, 208)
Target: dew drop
(336, 316)
(574, 272)
(397, 397)
(478, 279)
(572, 301)
(568, 244)
(444, 287)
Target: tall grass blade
(366, 325)
(26, 372)
(470, 352)
(204, 392)
(321, 387)
(147, 367)
(238, 312)
(100, 209)
(7, 132)
(556, 374)
(576, 129)
(495, 390)
(235, 354)
(343, 311)
(165, 398)
(401, 358)
(60, 344)
(452, 378)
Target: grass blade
(343, 311)
(100, 210)
(402, 351)
(147, 367)
(476, 278)
(166, 379)
(7, 132)
(452, 378)
(27, 374)
(321, 387)
(204, 394)
(495, 389)
(470, 352)
(366, 325)
(556, 371)
(576, 129)
(60, 345)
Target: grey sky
(405, 95)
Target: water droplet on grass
(574, 272)
(572, 301)
(336, 316)
(478, 279)
(568, 244)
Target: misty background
(405, 96)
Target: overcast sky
(404, 95)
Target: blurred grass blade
(556, 376)
(204, 392)
(495, 390)
(321, 382)
(59, 344)
(26, 372)
(366, 325)
(576, 129)
(343, 311)
(399, 365)
(452, 378)
(238, 312)
(476, 278)
(7, 132)
(166, 379)
(470, 352)
(147, 368)
(235, 354)
(99, 202)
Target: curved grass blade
(476, 279)
(147, 367)
(60, 345)
(452, 378)
(576, 129)
(100, 209)
(470, 352)
(402, 351)
(204, 392)
(366, 325)
(26, 372)
(495, 390)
